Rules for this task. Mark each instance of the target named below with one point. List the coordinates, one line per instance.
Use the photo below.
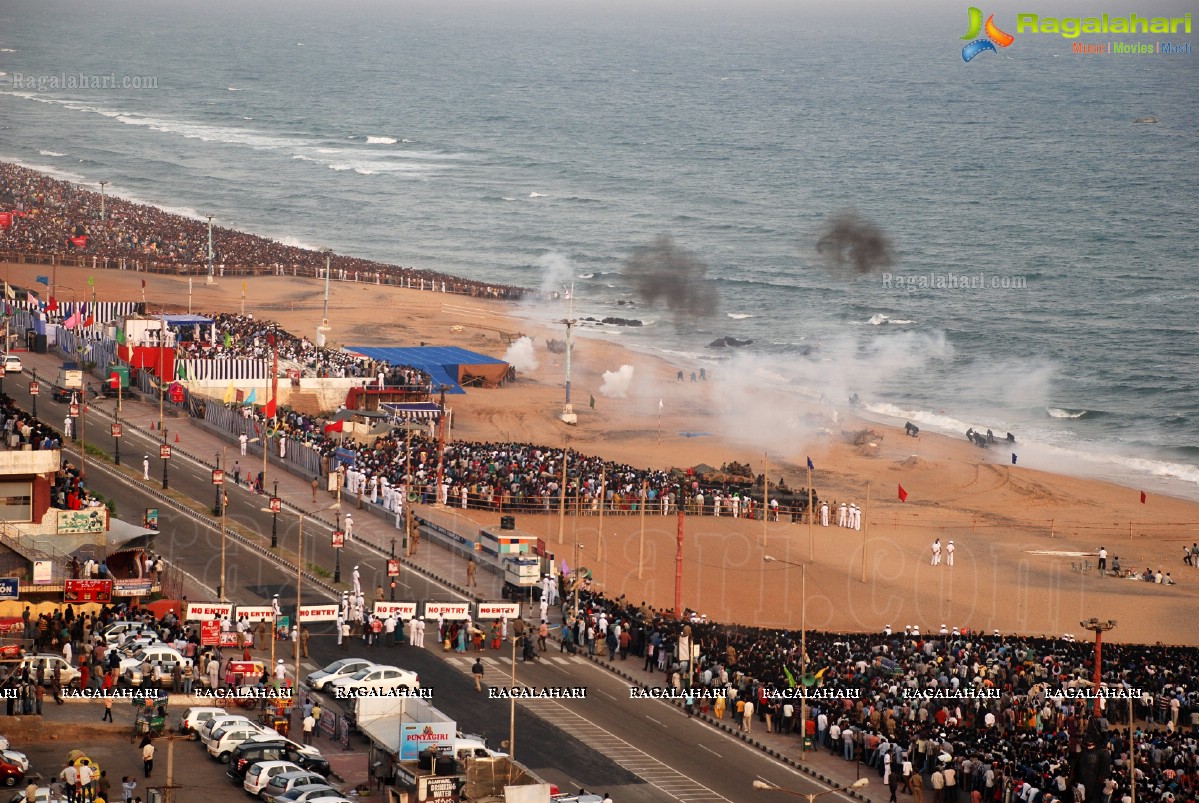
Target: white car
(66, 673)
(4, 743)
(15, 758)
(12, 364)
(115, 631)
(218, 721)
(309, 793)
(162, 655)
(337, 670)
(222, 741)
(196, 716)
(284, 782)
(260, 774)
(375, 678)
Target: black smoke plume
(662, 271)
(849, 242)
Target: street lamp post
(102, 184)
(578, 576)
(275, 507)
(803, 648)
(116, 442)
(1098, 628)
(338, 542)
(322, 330)
(766, 786)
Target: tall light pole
(102, 183)
(162, 386)
(440, 446)
(578, 576)
(276, 506)
(1098, 628)
(568, 414)
(323, 329)
(803, 648)
(765, 786)
(210, 276)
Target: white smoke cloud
(557, 272)
(522, 356)
(616, 383)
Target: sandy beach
(1017, 531)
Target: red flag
(90, 321)
(1143, 497)
(79, 242)
(52, 305)
(268, 410)
(5, 220)
(143, 284)
(903, 495)
(334, 427)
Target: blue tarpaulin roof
(443, 363)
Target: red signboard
(116, 430)
(276, 504)
(87, 590)
(339, 539)
(393, 568)
(210, 634)
(34, 389)
(218, 476)
(74, 410)
(164, 451)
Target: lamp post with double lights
(115, 428)
(338, 540)
(803, 647)
(222, 501)
(766, 786)
(276, 506)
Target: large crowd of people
(984, 712)
(52, 216)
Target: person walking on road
(477, 673)
(147, 755)
(146, 468)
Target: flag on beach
(51, 305)
(30, 297)
(789, 676)
(1143, 497)
(660, 405)
(44, 280)
(268, 409)
(5, 220)
(228, 340)
(91, 280)
(120, 335)
(9, 292)
(143, 284)
(811, 465)
(592, 401)
(78, 242)
(336, 426)
(73, 321)
(230, 393)
(253, 395)
(1013, 458)
(903, 495)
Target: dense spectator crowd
(879, 709)
(51, 212)
(246, 337)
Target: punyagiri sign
(318, 613)
(450, 610)
(418, 736)
(499, 610)
(400, 610)
(203, 611)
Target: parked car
(223, 740)
(310, 793)
(196, 716)
(270, 742)
(12, 364)
(10, 774)
(375, 678)
(259, 774)
(337, 670)
(220, 721)
(41, 796)
(284, 782)
(161, 654)
(67, 673)
(13, 757)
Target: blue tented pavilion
(447, 365)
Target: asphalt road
(641, 751)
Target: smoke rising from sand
(662, 271)
(851, 243)
(522, 355)
(557, 272)
(617, 383)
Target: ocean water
(539, 145)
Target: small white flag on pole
(660, 405)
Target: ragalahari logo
(994, 35)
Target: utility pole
(1098, 628)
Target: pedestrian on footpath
(146, 468)
(477, 672)
(309, 725)
(147, 755)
